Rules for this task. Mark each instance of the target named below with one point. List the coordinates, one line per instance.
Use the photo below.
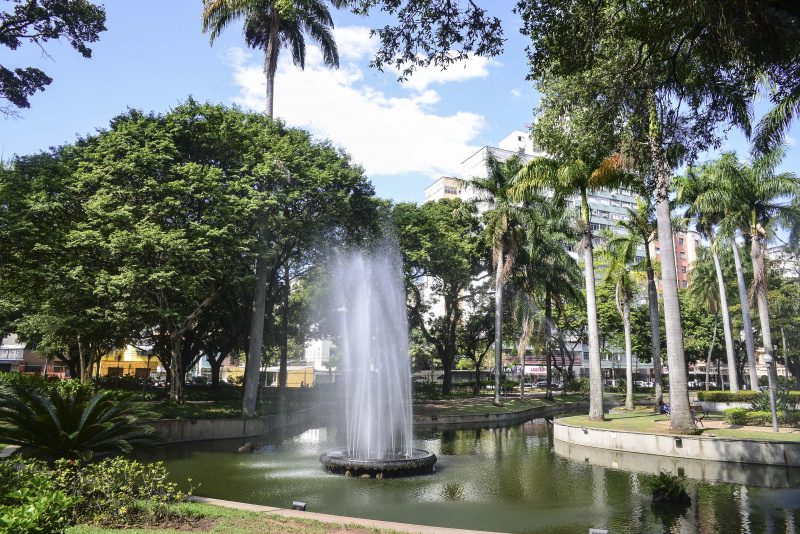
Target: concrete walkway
(336, 519)
(8, 451)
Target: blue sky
(153, 56)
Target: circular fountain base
(419, 463)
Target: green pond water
(510, 479)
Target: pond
(509, 479)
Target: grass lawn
(644, 420)
(220, 409)
(217, 519)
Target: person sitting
(663, 408)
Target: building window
(680, 241)
(658, 250)
(683, 255)
(684, 283)
(683, 268)
(448, 190)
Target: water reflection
(514, 479)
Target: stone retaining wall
(712, 406)
(776, 453)
(183, 430)
(491, 419)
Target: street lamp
(769, 362)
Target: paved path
(8, 451)
(337, 519)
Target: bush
(783, 401)
(30, 501)
(40, 384)
(115, 492)
(668, 488)
(742, 396)
(736, 416)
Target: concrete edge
(722, 449)
(8, 451)
(339, 520)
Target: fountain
(370, 301)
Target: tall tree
(504, 233)
(642, 224)
(667, 80)
(757, 198)
(36, 22)
(268, 26)
(578, 166)
(696, 182)
(443, 253)
(704, 289)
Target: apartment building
(686, 245)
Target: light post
(769, 362)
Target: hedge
(742, 416)
(739, 396)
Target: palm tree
(504, 233)
(268, 26)
(72, 424)
(641, 223)
(566, 178)
(705, 290)
(619, 254)
(705, 216)
(547, 269)
(756, 198)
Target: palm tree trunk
(498, 324)
(760, 282)
(595, 371)
(548, 334)
(726, 323)
(681, 415)
(655, 334)
(747, 323)
(626, 321)
(252, 370)
(711, 349)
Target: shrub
(736, 416)
(783, 401)
(115, 492)
(668, 488)
(742, 396)
(71, 424)
(30, 501)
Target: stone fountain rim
(337, 460)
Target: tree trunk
(498, 324)
(681, 416)
(785, 356)
(726, 323)
(710, 350)
(176, 374)
(215, 369)
(655, 333)
(252, 369)
(476, 390)
(447, 379)
(626, 321)
(271, 62)
(284, 354)
(548, 334)
(760, 282)
(595, 372)
(747, 323)
(82, 361)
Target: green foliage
(736, 416)
(30, 501)
(741, 396)
(668, 488)
(742, 416)
(75, 425)
(34, 22)
(784, 401)
(115, 492)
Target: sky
(154, 55)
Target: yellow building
(297, 376)
(129, 361)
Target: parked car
(542, 384)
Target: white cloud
(467, 69)
(790, 141)
(516, 93)
(388, 135)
